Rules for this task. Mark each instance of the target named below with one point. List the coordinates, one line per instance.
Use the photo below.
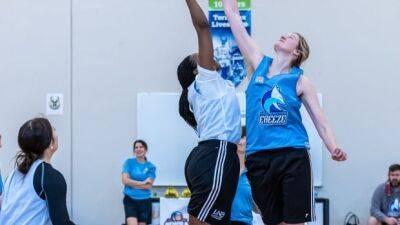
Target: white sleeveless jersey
(21, 204)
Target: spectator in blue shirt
(138, 175)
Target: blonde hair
(303, 49)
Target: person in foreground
(278, 162)
(35, 192)
(209, 105)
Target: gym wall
(101, 53)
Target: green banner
(217, 4)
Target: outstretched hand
(339, 155)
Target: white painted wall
(34, 60)
(121, 47)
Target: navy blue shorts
(140, 209)
(281, 184)
(212, 174)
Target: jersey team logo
(274, 108)
(394, 209)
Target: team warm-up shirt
(384, 204)
(139, 172)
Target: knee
(373, 221)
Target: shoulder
(129, 164)
(206, 76)
(304, 79)
(48, 171)
(150, 165)
(265, 60)
(206, 72)
(262, 66)
(130, 161)
(52, 178)
(53, 174)
(304, 85)
(381, 187)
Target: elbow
(124, 181)
(203, 25)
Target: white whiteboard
(170, 139)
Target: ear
(195, 72)
(52, 143)
(296, 53)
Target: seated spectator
(385, 207)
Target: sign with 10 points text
(217, 4)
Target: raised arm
(200, 23)
(309, 97)
(251, 52)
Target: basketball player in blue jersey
(209, 105)
(278, 163)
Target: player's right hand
(339, 155)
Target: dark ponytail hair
(186, 77)
(34, 138)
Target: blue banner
(226, 51)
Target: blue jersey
(242, 205)
(139, 172)
(273, 118)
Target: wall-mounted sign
(54, 104)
